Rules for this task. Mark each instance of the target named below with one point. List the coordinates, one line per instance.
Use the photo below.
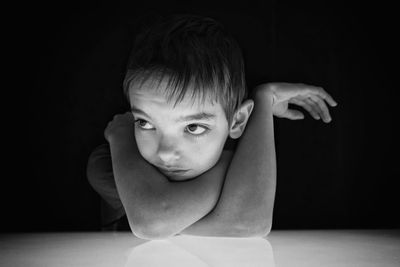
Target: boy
(166, 168)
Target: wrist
(265, 93)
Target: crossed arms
(233, 199)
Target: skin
(157, 207)
(235, 196)
(179, 144)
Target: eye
(196, 129)
(144, 124)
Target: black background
(67, 63)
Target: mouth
(173, 170)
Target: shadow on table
(202, 251)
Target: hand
(311, 98)
(122, 125)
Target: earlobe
(241, 118)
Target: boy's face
(182, 141)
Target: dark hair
(189, 50)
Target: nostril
(168, 158)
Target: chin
(180, 178)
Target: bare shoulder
(99, 165)
(100, 151)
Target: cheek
(208, 151)
(146, 145)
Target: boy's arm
(246, 203)
(155, 207)
(247, 199)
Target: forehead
(155, 92)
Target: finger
(306, 106)
(324, 95)
(324, 111)
(293, 114)
(314, 109)
(301, 103)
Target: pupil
(192, 127)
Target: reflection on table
(367, 248)
(203, 251)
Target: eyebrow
(197, 116)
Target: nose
(168, 151)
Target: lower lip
(175, 172)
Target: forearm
(155, 207)
(246, 203)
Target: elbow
(146, 225)
(260, 231)
(150, 231)
(255, 229)
(265, 227)
(264, 230)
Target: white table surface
(281, 248)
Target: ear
(240, 119)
